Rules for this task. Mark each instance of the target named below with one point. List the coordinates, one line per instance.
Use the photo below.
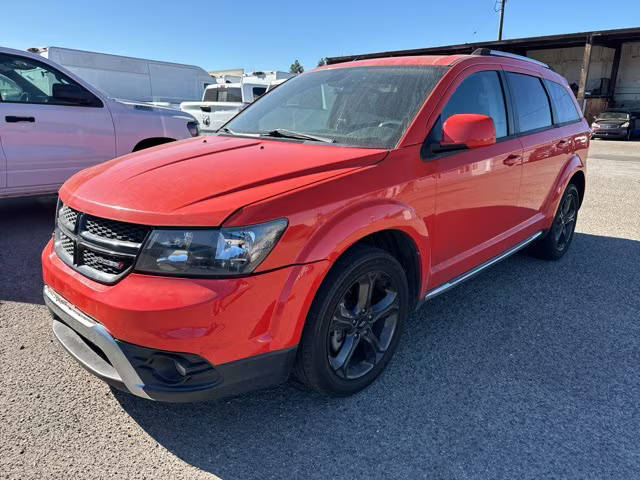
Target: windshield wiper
(240, 134)
(284, 133)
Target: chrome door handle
(512, 160)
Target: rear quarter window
(565, 109)
(531, 102)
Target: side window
(565, 109)
(531, 101)
(24, 80)
(258, 91)
(480, 93)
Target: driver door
(45, 138)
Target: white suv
(53, 124)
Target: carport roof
(610, 38)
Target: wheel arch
(392, 226)
(573, 170)
(151, 142)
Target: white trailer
(128, 78)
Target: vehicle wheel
(354, 324)
(558, 238)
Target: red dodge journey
(299, 237)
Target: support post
(584, 72)
(614, 71)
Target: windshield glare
(614, 116)
(361, 107)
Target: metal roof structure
(608, 38)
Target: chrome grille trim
(98, 248)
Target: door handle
(512, 160)
(14, 119)
(562, 143)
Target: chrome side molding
(474, 271)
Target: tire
(558, 238)
(343, 351)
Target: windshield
(362, 107)
(614, 116)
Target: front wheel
(354, 324)
(558, 238)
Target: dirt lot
(530, 370)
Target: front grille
(68, 216)
(101, 249)
(126, 232)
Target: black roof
(609, 38)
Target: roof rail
(497, 53)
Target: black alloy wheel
(565, 222)
(556, 242)
(355, 322)
(363, 325)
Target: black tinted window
(257, 91)
(531, 101)
(565, 109)
(480, 93)
(223, 94)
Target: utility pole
(501, 18)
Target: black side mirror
(72, 94)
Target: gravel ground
(528, 371)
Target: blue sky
(271, 34)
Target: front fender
(360, 220)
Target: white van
(129, 78)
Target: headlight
(193, 128)
(199, 252)
(595, 125)
(624, 125)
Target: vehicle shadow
(529, 370)
(26, 225)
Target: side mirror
(72, 94)
(468, 130)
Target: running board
(474, 271)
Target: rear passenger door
(477, 189)
(544, 149)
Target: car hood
(203, 180)
(610, 121)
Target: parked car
(616, 124)
(53, 124)
(134, 79)
(300, 237)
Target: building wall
(627, 91)
(568, 61)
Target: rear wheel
(354, 324)
(557, 240)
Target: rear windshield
(363, 107)
(223, 94)
(614, 116)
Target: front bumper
(243, 328)
(156, 374)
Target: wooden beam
(584, 71)
(614, 71)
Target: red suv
(301, 236)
